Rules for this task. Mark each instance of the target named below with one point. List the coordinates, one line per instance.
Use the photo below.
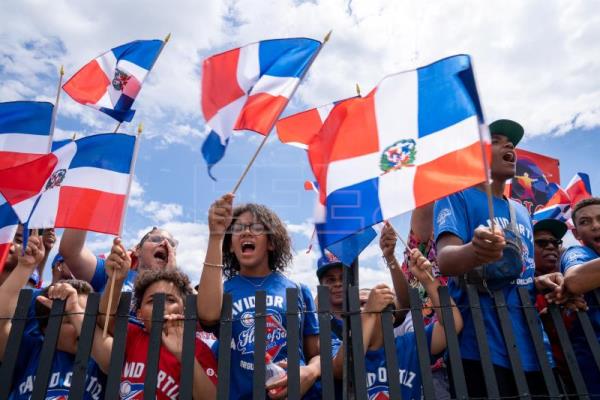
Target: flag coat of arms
(112, 81)
(414, 139)
(24, 131)
(82, 185)
(248, 88)
(8, 228)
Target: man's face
(333, 279)
(13, 253)
(154, 251)
(587, 226)
(504, 158)
(547, 252)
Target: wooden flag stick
(55, 108)
(483, 129)
(131, 173)
(407, 247)
(262, 144)
(358, 90)
(117, 128)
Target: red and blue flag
(111, 82)
(8, 228)
(558, 207)
(579, 188)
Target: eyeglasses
(255, 228)
(543, 243)
(160, 238)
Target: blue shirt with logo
(408, 365)
(242, 290)
(100, 277)
(61, 372)
(573, 256)
(460, 214)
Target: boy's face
(173, 301)
(334, 280)
(68, 339)
(249, 242)
(504, 158)
(587, 226)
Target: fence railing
(355, 376)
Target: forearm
(210, 289)
(454, 260)
(400, 288)
(203, 388)
(421, 222)
(81, 261)
(583, 278)
(104, 311)
(432, 292)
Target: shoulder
(576, 255)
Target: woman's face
(250, 242)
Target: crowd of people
(453, 242)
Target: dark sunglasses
(255, 228)
(543, 243)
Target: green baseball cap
(557, 228)
(511, 129)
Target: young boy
(75, 293)
(581, 267)
(406, 347)
(175, 285)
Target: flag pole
(162, 46)
(55, 108)
(130, 181)
(262, 143)
(357, 89)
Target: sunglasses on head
(543, 243)
(160, 238)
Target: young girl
(175, 285)
(251, 247)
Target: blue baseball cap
(57, 258)
(326, 262)
(35, 278)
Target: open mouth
(248, 247)
(509, 156)
(160, 254)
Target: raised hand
(220, 215)
(118, 261)
(63, 291)
(420, 266)
(34, 253)
(379, 297)
(488, 245)
(387, 241)
(172, 336)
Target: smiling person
(156, 250)
(251, 247)
(466, 244)
(581, 266)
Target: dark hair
(147, 278)
(42, 312)
(592, 201)
(281, 255)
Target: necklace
(262, 282)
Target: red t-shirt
(169, 368)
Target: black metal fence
(354, 371)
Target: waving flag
(24, 131)
(414, 139)
(112, 81)
(8, 228)
(579, 188)
(83, 185)
(558, 207)
(299, 129)
(248, 88)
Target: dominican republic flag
(558, 207)
(112, 81)
(24, 131)
(8, 228)
(579, 188)
(414, 139)
(248, 88)
(299, 129)
(82, 185)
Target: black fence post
(224, 365)
(416, 309)
(260, 329)
(324, 305)
(391, 360)
(489, 376)
(358, 354)
(48, 349)
(188, 350)
(11, 353)
(117, 355)
(588, 330)
(84, 347)
(293, 342)
(154, 344)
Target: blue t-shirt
(408, 365)
(577, 255)
(61, 373)
(243, 291)
(460, 214)
(100, 277)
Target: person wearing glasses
(250, 247)
(156, 250)
(547, 239)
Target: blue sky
(535, 62)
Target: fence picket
(325, 343)
(458, 375)
(154, 344)
(416, 309)
(260, 330)
(293, 343)
(391, 360)
(117, 356)
(358, 354)
(224, 361)
(188, 350)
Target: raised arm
(387, 243)
(582, 278)
(81, 261)
(48, 238)
(118, 263)
(9, 291)
(210, 289)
